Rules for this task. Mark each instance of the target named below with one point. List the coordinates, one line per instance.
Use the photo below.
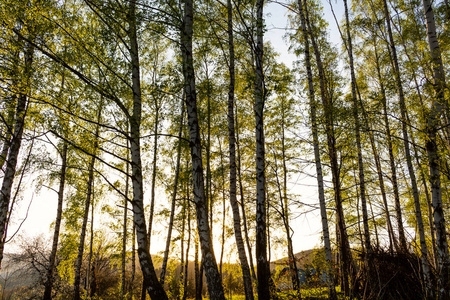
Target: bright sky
(307, 227)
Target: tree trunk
(213, 279)
(89, 289)
(401, 233)
(262, 270)
(392, 241)
(11, 161)
(242, 202)
(87, 205)
(423, 246)
(186, 265)
(362, 184)
(153, 187)
(269, 248)
(422, 175)
(154, 288)
(174, 197)
(93, 282)
(224, 213)
(391, 155)
(429, 204)
(284, 208)
(438, 106)
(320, 186)
(6, 136)
(248, 289)
(183, 230)
(208, 190)
(52, 259)
(393, 168)
(133, 263)
(125, 232)
(346, 260)
(198, 275)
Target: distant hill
(302, 258)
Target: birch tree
(213, 278)
(437, 109)
(318, 164)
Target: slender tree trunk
(263, 272)
(269, 248)
(89, 289)
(10, 107)
(133, 263)
(87, 205)
(174, 197)
(358, 216)
(392, 241)
(186, 265)
(284, 214)
(125, 232)
(391, 154)
(6, 137)
(284, 204)
(213, 278)
(52, 259)
(320, 186)
(419, 165)
(242, 202)
(93, 282)
(153, 187)
(222, 250)
(427, 197)
(284, 207)
(362, 184)
(154, 288)
(154, 162)
(438, 106)
(423, 246)
(346, 260)
(197, 274)
(11, 161)
(404, 128)
(183, 229)
(393, 168)
(248, 289)
(208, 189)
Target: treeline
(103, 100)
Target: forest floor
(309, 293)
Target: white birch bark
(174, 197)
(438, 106)
(345, 260)
(423, 246)
(14, 147)
(154, 288)
(320, 186)
(262, 270)
(125, 231)
(248, 290)
(52, 259)
(362, 184)
(87, 203)
(213, 278)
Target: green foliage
(81, 81)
